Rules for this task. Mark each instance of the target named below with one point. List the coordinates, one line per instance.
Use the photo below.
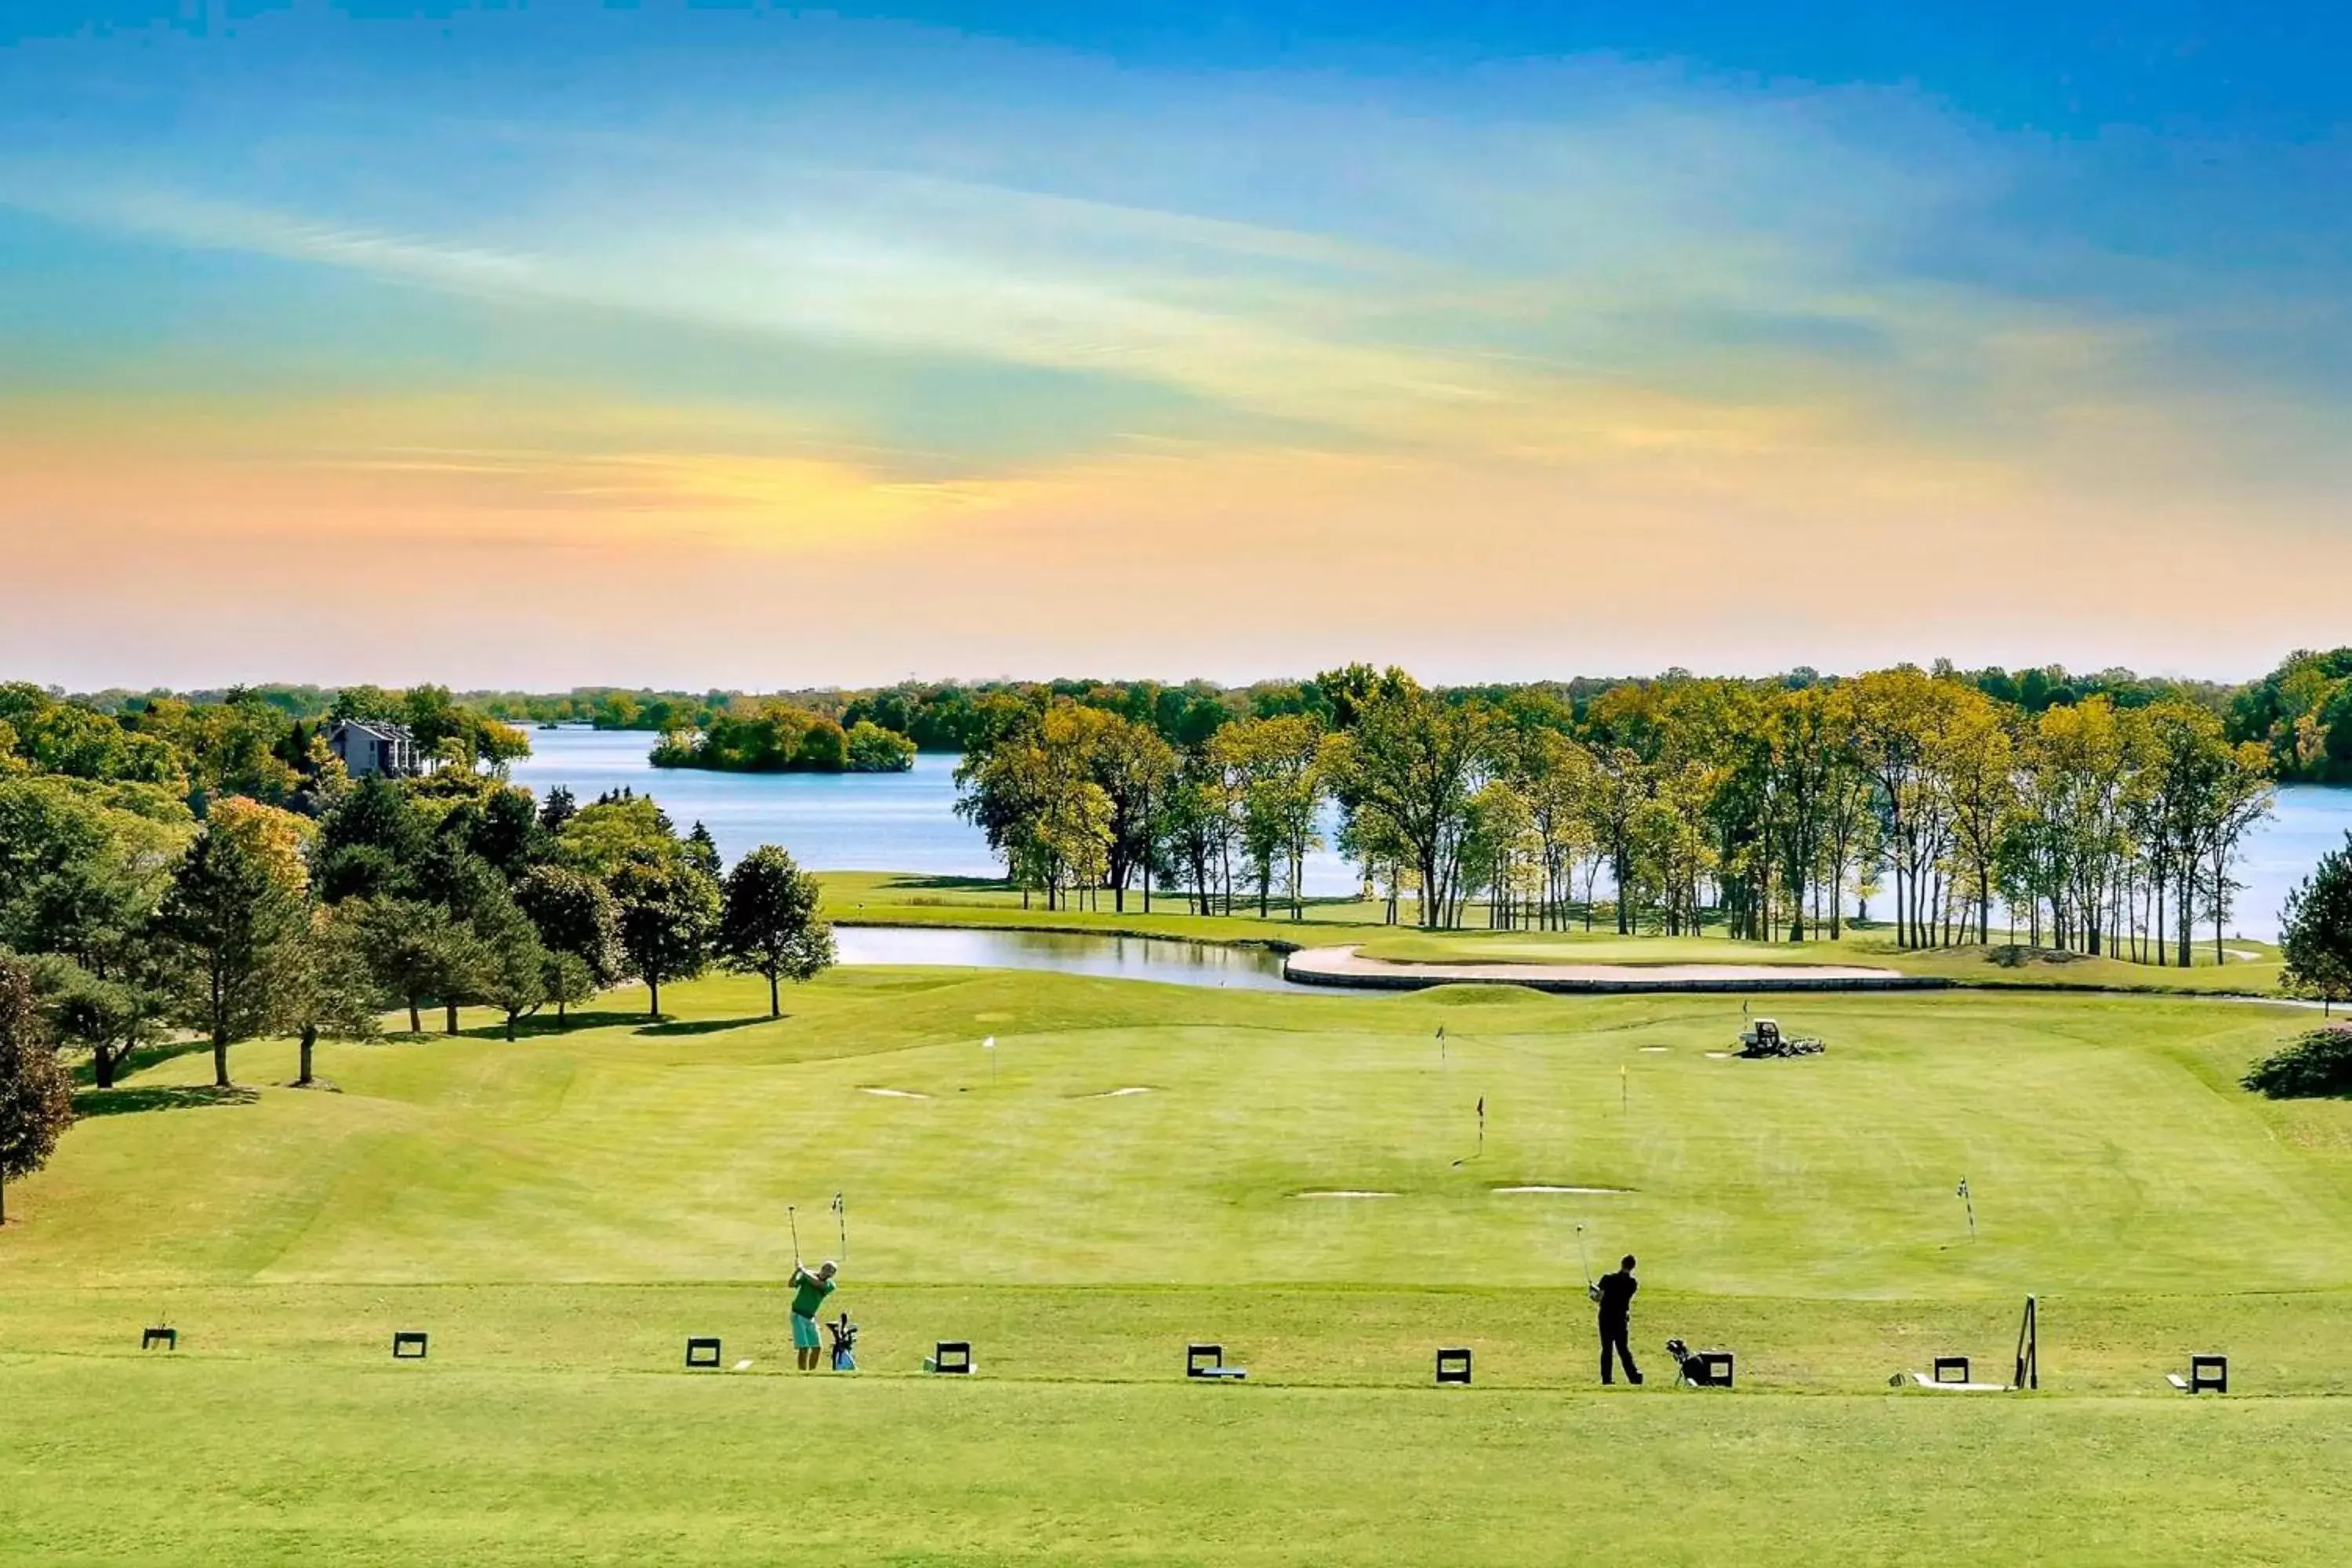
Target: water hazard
(1108, 957)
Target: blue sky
(1535, 339)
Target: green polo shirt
(809, 1293)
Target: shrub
(2311, 1067)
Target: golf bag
(1688, 1368)
(844, 1343)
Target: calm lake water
(907, 822)
(1111, 957)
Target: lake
(907, 822)
(1109, 957)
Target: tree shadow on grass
(700, 1025)
(544, 1025)
(134, 1101)
(85, 1073)
(942, 884)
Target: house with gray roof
(371, 746)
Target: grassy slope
(560, 1212)
(874, 898)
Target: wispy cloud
(1007, 321)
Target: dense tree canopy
(36, 1092)
(768, 923)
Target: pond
(1109, 957)
(907, 822)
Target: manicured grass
(874, 898)
(560, 1212)
(213, 1462)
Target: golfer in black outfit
(1615, 1294)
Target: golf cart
(1764, 1038)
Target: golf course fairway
(560, 1212)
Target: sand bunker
(1650, 1050)
(895, 1093)
(1579, 1192)
(1348, 966)
(1342, 1193)
(1116, 1093)
(1719, 1056)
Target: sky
(731, 345)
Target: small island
(781, 738)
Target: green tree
(1134, 768)
(36, 1092)
(419, 951)
(614, 832)
(702, 851)
(768, 925)
(80, 874)
(1273, 769)
(370, 844)
(875, 750)
(112, 1016)
(228, 912)
(1416, 762)
(324, 984)
(568, 982)
(668, 915)
(514, 961)
(2316, 937)
(577, 921)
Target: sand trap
(1349, 966)
(1343, 1192)
(1650, 1050)
(1116, 1093)
(1580, 1192)
(2244, 955)
(743, 1366)
(895, 1093)
(1719, 1056)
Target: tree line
(947, 716)
(240, 743)
(1757, 806)
(126, 922)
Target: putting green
(562, 1211)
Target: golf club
(793, 1220)
(841, 1214)
(1584, 1257)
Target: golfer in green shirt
(809, 1292)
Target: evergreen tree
(227, 913)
